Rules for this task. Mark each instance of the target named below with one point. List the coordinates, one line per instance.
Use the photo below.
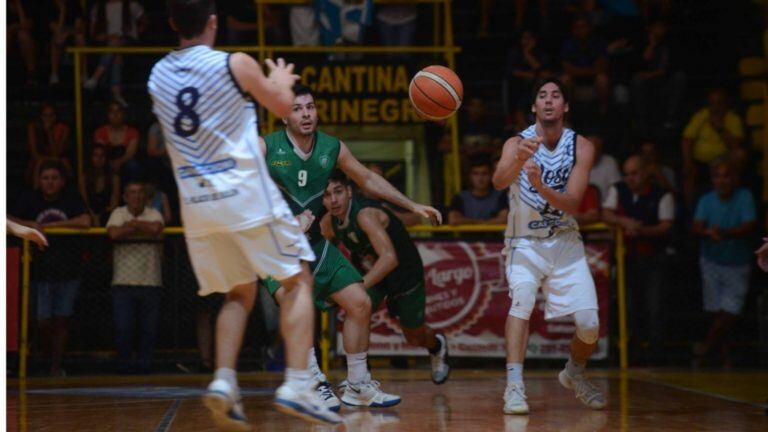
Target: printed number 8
(187, 121)
(302, 178)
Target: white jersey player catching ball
(546, 169)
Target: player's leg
(523, 273)
(409, 308)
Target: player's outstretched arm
(27, 233)
(274, 91)
(570, 200)
(373, 222)
(515, 153)
(376, 185)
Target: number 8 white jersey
(211, 133)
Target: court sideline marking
(704, 393)
(170, 415)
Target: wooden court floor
(469, 401)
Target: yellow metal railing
(325, 337)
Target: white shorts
(224, 260)
(559, 266)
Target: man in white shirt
(137, 277)
(605, 171)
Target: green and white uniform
(302, 178)
(403, 287)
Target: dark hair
(541, 82)
(190, 16)
(101, 17)
(49, 165)
(90, 171)
(133, 182)
(338, 176)
(480, 161)
(301, 90)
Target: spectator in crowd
(526, 62)
(343, 23)
(56, 273)
(725, 221)
(589, 209)
(47, 140)
(120, 139)
(646, 214)
(305, 30)
(99, 186)
(605, 171)
(19, 27)
(240, 19)
(480, 136)
(480, 203)
(662, 175)
(115, 23)
(397, 24)
(67, 27)
(585, 64)
(158, 200)
(137, 279)
(712, 132)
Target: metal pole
(24, 345)
(621, 285)
(325, 339)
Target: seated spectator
(305, 30)
(589, 209)
(67, 28)
(47, 140)
(662, 175)
(725, 221)
(526, 62)
(646, 214)
(99, 186)
(56, 272)
(480, 203)
(605, 170)
(115, 23)
(585, 63)
(713, 132)
(18, 29)
(343, 23)
(120, 139)
(397, 24)
(479, 135)
(137, 279)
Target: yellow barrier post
(325, 339)
(621, 286)
(24, 343)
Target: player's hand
(305, 219)
(34, 236)
(762, 255)
(428, 212)
(527, 147)
(281, 73)
(715, 234)
(533, 170)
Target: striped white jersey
(211, 132)
(530, 215)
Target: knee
(244, 295)
(361, 308)
(523, 298)
(587, 326)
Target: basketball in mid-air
(436, 92)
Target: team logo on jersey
(281, 163)
(280, 151)
(324, 161)
(353, 236)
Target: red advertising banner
(468, 301)
(12, 260)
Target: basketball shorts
(407, 306)
(332, 273)
(558, 265)
(224, 260)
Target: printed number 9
(187, 121)
(302, 178)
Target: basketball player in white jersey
(236, 224)
(546, 169)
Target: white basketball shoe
(514, 399)
(585, 391)
(305, 405)
(368, 393)
(440, 367)
(226, 408)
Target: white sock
(574, 368)
(314, 368)
(228, 375)
(298, 379)
(514, 373)
(357, 367)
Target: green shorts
(332, 273)
(408, 306)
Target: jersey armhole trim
(245, 95)
(575, 140)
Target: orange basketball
(436, 92)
